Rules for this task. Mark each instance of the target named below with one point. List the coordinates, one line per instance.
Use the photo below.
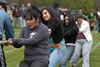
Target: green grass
(15, 56)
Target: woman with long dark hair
(70, 35)
(56, 43)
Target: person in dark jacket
(91, 15)
(17, 14)
(56, 41)
(55, 8)
(34, 36)
(98, 21)
(70, 35)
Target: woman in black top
(70, 35)
(56, 36)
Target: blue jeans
(2, 55)
(85, 46)
(55, 57)
(98, 25)
(68, 54)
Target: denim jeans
(85, 46)
(98, 25)
(2, 55)
(68, 54)
(55, 57)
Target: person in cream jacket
(84, 42)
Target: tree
(63, 3)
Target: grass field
(14, 56)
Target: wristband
(7, 42)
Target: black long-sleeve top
(70, 30)
(57, 29)
(70, 35)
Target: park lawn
(14, 56)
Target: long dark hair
(71, 23)
(50, 12)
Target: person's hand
(10, 41)
(49, 31)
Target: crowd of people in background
(17, 14)
(51, 37)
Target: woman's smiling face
(45, 14)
